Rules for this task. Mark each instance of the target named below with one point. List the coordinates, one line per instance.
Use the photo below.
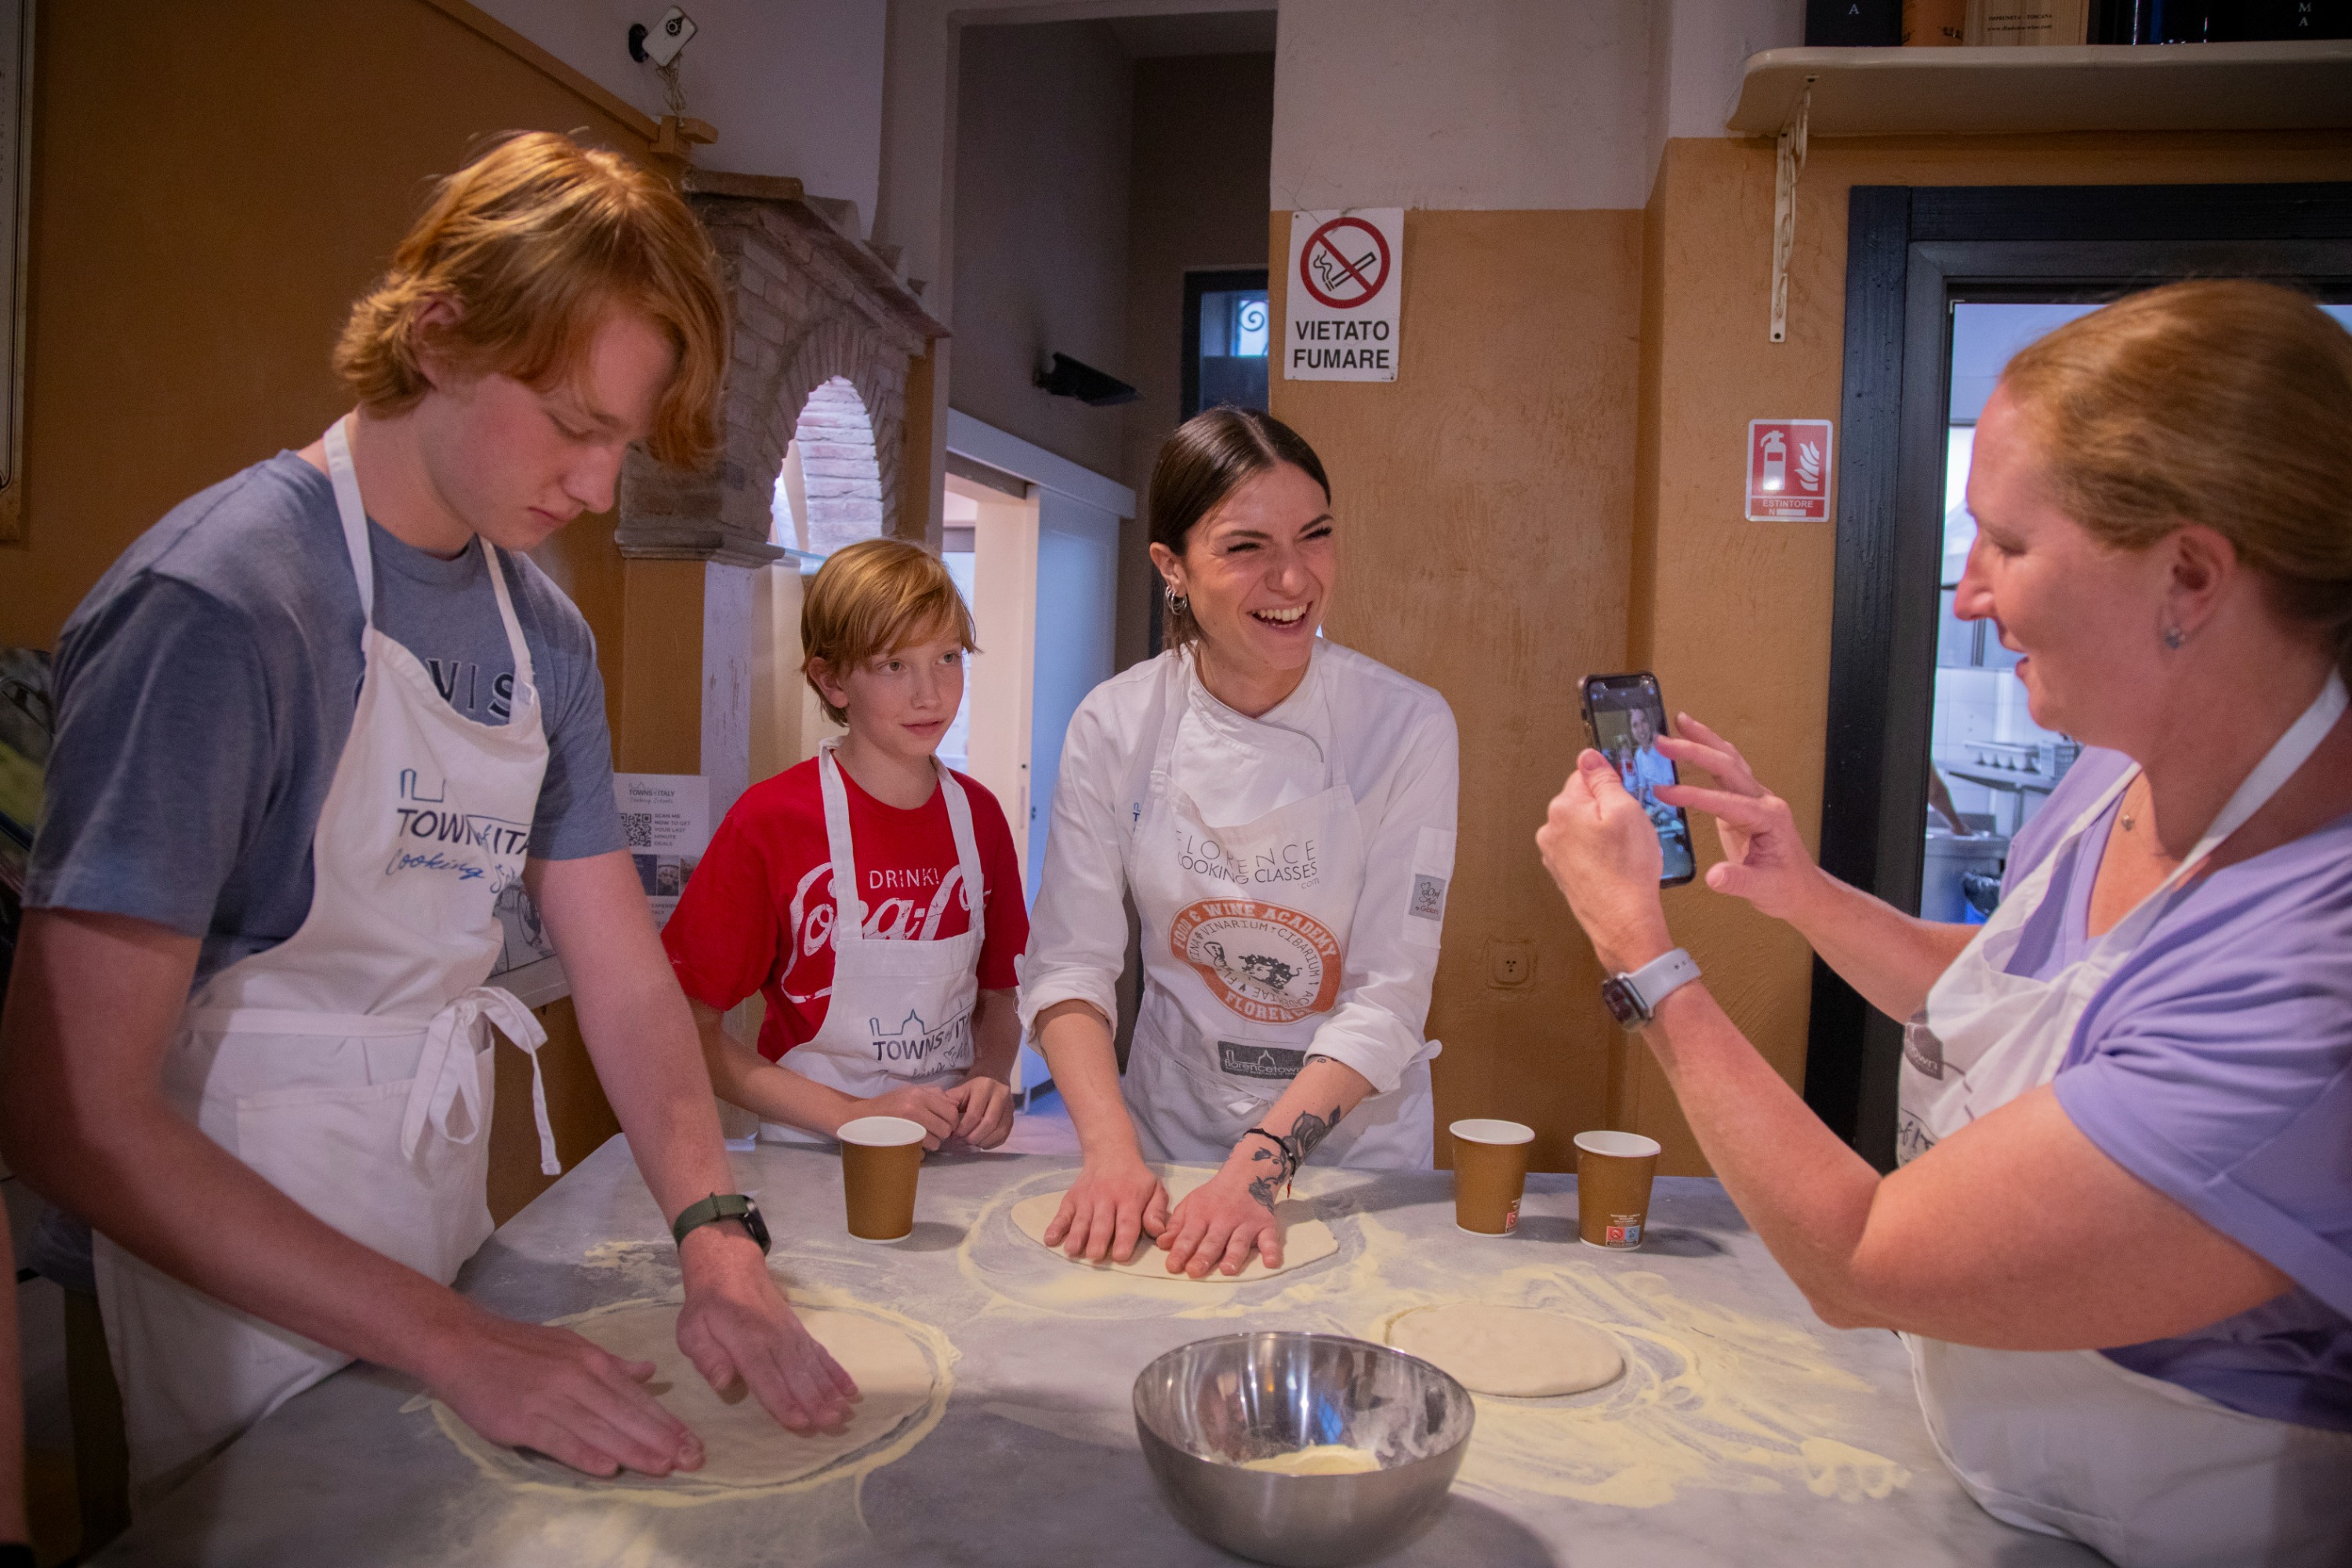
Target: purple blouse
(2216, 1066)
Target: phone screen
(1626, 715)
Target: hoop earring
(1178, 604)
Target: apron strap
(515, 644)
(967, 844)
(346, 480)
(448, 1080)
(848, 908)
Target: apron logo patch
(1267, 963)
(1428, 898)
(429, 829)
(914, 1043)
(1292, 862)
(1259, 1062)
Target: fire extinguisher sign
(1788, 470)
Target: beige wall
(211, 186)
(1485, 506)
(1042, 115)
(1203, 136)
(1735, 616)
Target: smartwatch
(719, 1206)
(1633, 999)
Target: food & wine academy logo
(1268, 964)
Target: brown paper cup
(879, 1157)
(1613, 1187)
(1490, 1173)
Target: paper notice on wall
(666, 818)
(1347, 276)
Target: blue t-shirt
(2216, 1066)
(206, 684)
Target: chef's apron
(900, 1011)
(347, 1065)
(1244, 940)
(2069, 1443)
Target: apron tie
(448, 1080)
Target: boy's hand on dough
(736, 1325)
(549, 1389)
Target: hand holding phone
(1625, 715)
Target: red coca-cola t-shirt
(757, 914)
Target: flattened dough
(1509, 1351)
(743, 1445)
(1305, 1238)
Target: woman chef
(1280, 810)
(2120, 1243)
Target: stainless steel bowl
(1204, 1409)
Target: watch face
(1623, 1003)
(757, 1225)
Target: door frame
(1913, 252)
(1197, 283)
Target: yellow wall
(212, 185)
(1735, 616)
(1485, 516)
(1552, 488)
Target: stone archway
(811, 306)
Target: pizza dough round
(1509, 1350)
(1305, 1238)
(743, 1446)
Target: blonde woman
(2120, 1243)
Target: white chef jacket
(1397, 745)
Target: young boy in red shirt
(909, 1008)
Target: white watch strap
(1661, 977)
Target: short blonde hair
(2226, 403)
(534, 241)
(874, 597)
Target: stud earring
(2174, 637)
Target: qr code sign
(639, 825)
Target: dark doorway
(1226, 331)
(1917, 259)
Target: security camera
(660, 44)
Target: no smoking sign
(1346, 277)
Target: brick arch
(835, 351)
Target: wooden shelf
(2173, 87)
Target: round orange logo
(1269, 964)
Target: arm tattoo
(1307, 1132)
(1262, 1187)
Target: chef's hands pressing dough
(1114, 1205)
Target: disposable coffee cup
(879, 1157)
(1490, 1173)
(1613, 1170)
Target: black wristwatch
(719, 1206)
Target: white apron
(346, 1065)
(900, 1011)
(1245, 937)
(2069, 1443)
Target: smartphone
(1625, 715)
